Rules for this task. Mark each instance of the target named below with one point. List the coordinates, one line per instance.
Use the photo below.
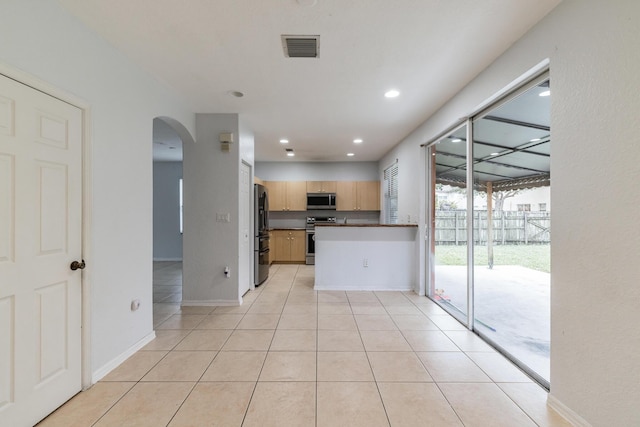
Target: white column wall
(211, 188)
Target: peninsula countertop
(366, 225)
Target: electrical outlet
(365, 262)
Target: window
(181, 204)
(524, 207)
(391, 194)
(542, 207)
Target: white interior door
(246, 234)
(40, 235)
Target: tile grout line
(375, 380)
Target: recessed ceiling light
(290, 154)
(236, 93)
(494, 154)
(357, 141)
(534, 140)
(284, 141)
(456, 140)
(391, 93)
(545, 93)
(350, 154)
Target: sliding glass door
(506, 218)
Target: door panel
(51, 308)
(40, 234)
(448, 266)
(7, 208)
(368, 195)
(52, 209)
(297, 196)
(7, 317)
(346, 196)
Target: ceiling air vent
(301, 46)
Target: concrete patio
(512, 308)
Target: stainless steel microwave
(325, 201)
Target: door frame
(87, 201)
(251, 211)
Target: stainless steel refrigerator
(261, 233)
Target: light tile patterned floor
(291, 356)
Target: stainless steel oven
(311, 236)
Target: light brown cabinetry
(321, 186)
(358, 196)
(288, 246)
(287, 195)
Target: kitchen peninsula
(366, 257)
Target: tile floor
(291, 356)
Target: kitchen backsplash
(299, 219)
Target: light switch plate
(223, 217)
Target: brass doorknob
(77, 265)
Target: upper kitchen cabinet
(322, 186)
(358, 196)
(287, 195)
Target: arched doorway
(169, 135)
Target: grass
(536, 257)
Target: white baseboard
(210, 303)
(566, 412)
(167, 259)
(114, 363)
(361, 288)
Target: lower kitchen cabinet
(288, 246)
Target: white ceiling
(203, 49)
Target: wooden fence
(509, 227)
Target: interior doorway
(245, 267)
(167, 218)
(490, 221)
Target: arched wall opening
(169, 136)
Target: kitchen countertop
(366, 225)
(287, 228)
